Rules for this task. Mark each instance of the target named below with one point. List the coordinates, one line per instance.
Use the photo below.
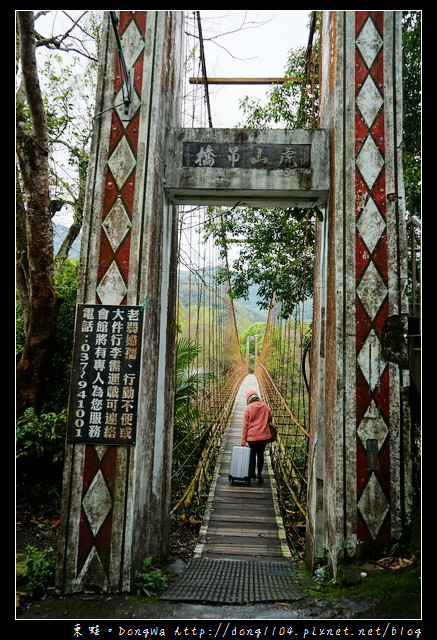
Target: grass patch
(392, 593)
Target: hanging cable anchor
(127, 75)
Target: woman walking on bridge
(256, 431)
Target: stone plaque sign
(247, 156)
(271, 167)
(105, 377)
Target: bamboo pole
(201, 80)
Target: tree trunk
(21, 264)
(32, 152)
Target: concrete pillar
(116, 499)
(359, 484)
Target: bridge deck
(242, 555)
(242, 522)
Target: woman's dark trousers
(257, 457)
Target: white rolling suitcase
(239, 467)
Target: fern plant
(149, 581)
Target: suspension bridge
(242, 554)
(276, 357)
(143, 451)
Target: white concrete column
(116, 498)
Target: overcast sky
(257, 45)
(238, 43)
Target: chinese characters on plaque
(105, 378)
(247, 156)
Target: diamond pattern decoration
(132, 43)
(122, 162)
(370, 360)
(373, 426)
(97, 502)
(372, 290)
(93, 567)
(373, 505)
(371, 272)
(135, 103)
(371, 224)
(370, 161)
(117, 224)
(94, 550)
(369, 101)
(123, 143)
(95, 531)
(369, 42)
(112, 287)
(96, 517)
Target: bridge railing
(282, 376)
(215, 418)
(206, 320)
(289, 459)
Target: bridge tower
(360, 476)
(116, 498)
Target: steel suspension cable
(280, 374)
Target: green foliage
(286, 104)
(40, 452)
(149, 581)
(41, 436)
(19, 327)
(68, 85)
(275, 253)
(38, 571)
(255, 329)
(66, 282)
(412, 100)
(275, 246)
(324, 574)
(272, 254)
(396, 591)
(188, 430)
(188, 378)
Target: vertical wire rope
(294, 348)
(304, 285)
(212, 328)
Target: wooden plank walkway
(242, 522)
(242, 556)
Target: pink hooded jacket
(257, 416)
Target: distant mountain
(247, 312)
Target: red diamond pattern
(369, 25)
(105, 465)
(129, 131)
(93, 464)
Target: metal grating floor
(234, 582)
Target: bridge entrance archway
(116, 498)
